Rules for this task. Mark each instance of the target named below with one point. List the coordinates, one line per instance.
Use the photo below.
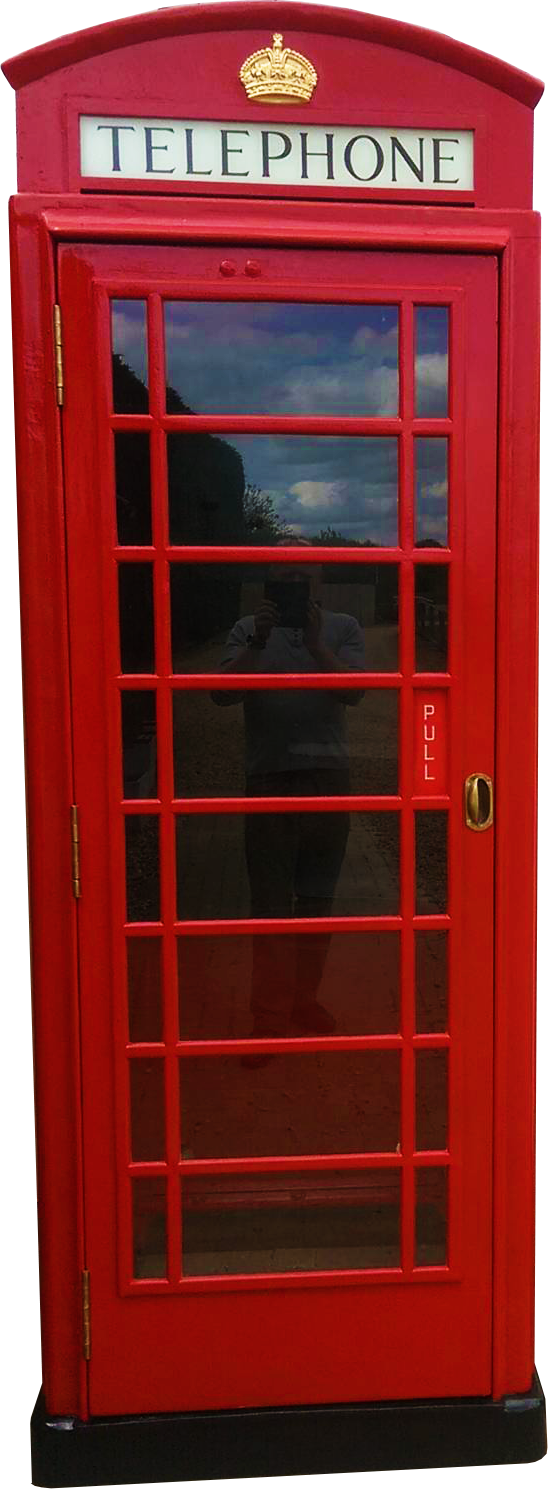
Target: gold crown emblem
(278, 74)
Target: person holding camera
(296, 745)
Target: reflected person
(296, 744)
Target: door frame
(37, 225)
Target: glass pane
(139, 743)
(142, 868)
(216, 607)
(431, 361)
(298, 1222)
(149, 1227)
(431, 1067)
(144, 988)
(431, 617)
(146, 1083)
(431, 863)
(237, 987)
(136, 617)
(260, 488)
(287, 742)
(132, 462)
(281, 359)
(129, 357)
(431, 1217)
(431, 492)
(287, 864)
(431, 981)
(260, 1105)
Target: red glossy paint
(430, 743)
(458, 255)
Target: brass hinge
(86, 1317)
(75, 848)
(58, 343)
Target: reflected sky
(255, 488)
(431, 361)
(283, 359)
(431, 491)
(129, 343)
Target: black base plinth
(287, 1440)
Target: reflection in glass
(146, 1084)
(132, 465)
(286, 864)
(431, 1215)
(260, 1105)
(216, 608)
(431, 492)
(431, 617)
(142, 868)
(275, 742)
(144, 989)
(139, 743)
(431, 1010)
(259, 488)
(431, 361)
(297, 1222)
(237, 987)
(129, 357)
(149, 1227)
(431, 863)
(431, 1068)
(136, 617)
(281, 359)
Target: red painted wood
(133, 1367)
(115, 69)
(430, 743)
(46, 698)
(97, 40)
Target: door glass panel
(281, 359)
(285, 742)
(149, 1227)
(431, 617)
(236, 987)
(291, 1222)
(431, 949)
(431, 361)
(431, 492)
(261, 488)
(142, 868)
(132, 465)
(431, 1216)
(129, 357)
(431, 863)
(431, 1067)
(261, 1104)
(146, 1083)
(214, 609)
(139, 743)
(286, 864)
(144, 988)
(136, 617)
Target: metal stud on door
(285, 568)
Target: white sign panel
(282, 154)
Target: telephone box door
(280, 487)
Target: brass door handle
(478, 802)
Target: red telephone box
(276, 361)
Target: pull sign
(430, 744)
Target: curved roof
(240, 15)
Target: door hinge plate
(86, 1317)
(75, 850)
(58, 344)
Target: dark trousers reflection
(293, 862)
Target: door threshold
(266, 1441)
